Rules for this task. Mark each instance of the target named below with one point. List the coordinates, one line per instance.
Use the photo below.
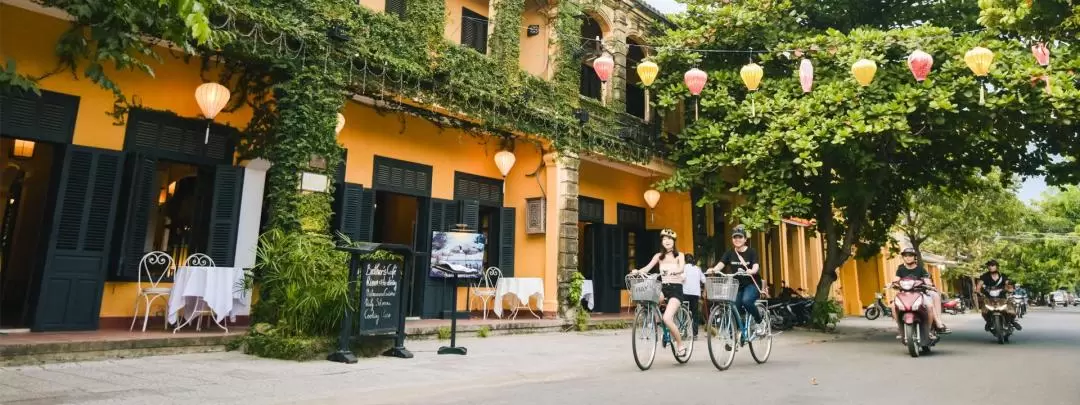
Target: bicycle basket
(721, 288)
(643, 289)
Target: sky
(1031, 189)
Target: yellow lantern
(979, 60)
(751, 76)
(864, 71)
(647, 72)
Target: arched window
(635, 94)
(590, 84)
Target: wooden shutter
(79, 240)
(140, 180)
(469, 215)
(396, 7)
(402, 177)
(646, 244)
(437, 292)
(507, 236)
(630, 217)
(474, 30)
(590, 210)
(699, 227)
(486, 190)
(617, 266)
(49, 117)
(178, 138)
(355, 215)
(224, 214)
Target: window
(635, 93)
(474, 30)
(590, 84)
(396, 7)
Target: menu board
(380, 301)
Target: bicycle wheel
(683, 320)
(761, 347)
(723, 336)
(646, 335)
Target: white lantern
(212, 97)
(340, 123)
(505, 159)
(652, 197)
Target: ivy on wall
(506, 36)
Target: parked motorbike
(953, 306)
(875, 310)
(780, 314)
(999, 309)
(913, 310)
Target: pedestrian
(692, 290)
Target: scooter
(953, 306)
(1000, 312)
(873, 311)
(913, 314)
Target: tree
(845, 155)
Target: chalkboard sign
(380, 300)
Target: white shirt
(694, 278)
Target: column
(562, 232)
(247, 230)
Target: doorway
(26, 179)
(176, 223)
(395, 221)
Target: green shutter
(49, 117)
(437, 292)
(507, 235)
(630, 217)
(140, 180)
(225, 214)
(469, 214)
(355, 215)
(79, 240)
(590, 210)
(486, 190)
(646, 244)
(401, 177)
(396, 7)
(617, 251)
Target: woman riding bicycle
(743, 258)
(672, 275)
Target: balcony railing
(621, 136)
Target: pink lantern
(695, 80)
(1042, 53)
(920, 63)
(806, 75)
(603, 66)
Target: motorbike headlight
(907, 284)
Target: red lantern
(695, 80)
(603, 66)
(806, 75)
(1042, 53)
(920, 63)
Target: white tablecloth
(522, 288)
(219, 288)
(587, 293)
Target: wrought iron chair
(484, 289)
(161, 264)
(199, 260)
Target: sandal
(682, 351)
(944, 330)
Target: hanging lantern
(162, 197)
(695, 80)
(979, 60)
(652, 197)
(647, 72)
(1041, 53)
(340, 123)
(211, 98)
(603, 66)
(23, 149)
(172, 188)
(504, 160)
(806, 75)
(751, 76)
(920, 63)
(864, 71)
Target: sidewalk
(234, 378)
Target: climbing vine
(506, 36)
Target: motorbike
(912, 309)
(953, 306)
(1020, 303)
(780, 314)
(875, 310)
(1000, 311)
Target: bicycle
(648, 323)
(731, 328)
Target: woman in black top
(743, 258)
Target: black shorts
(672, 291)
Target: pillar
(562, 231)
(247, 229)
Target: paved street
(861, 365)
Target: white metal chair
(484, 289)
(199, 260)
(154, 262)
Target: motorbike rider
(911, 268)
(994, 279)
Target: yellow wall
(30, 38)
(377, 5)
(534, 50)
(453, 18)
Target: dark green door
(79, 241)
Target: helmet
(669, 233)
(740, 231)
(908, 251)
(992, 262)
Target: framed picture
(463, 251)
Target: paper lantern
(172, 188)
(647, 72)
(162, 197)
(652, 197)
(603, 66)
(979, 59)
(504, 160)
(806, 75)
(920, 63)
(751, 76)
(864, 71)
(695, 80)
(340, 123)
(1041, 53)
(23, 149)
(211, 97)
